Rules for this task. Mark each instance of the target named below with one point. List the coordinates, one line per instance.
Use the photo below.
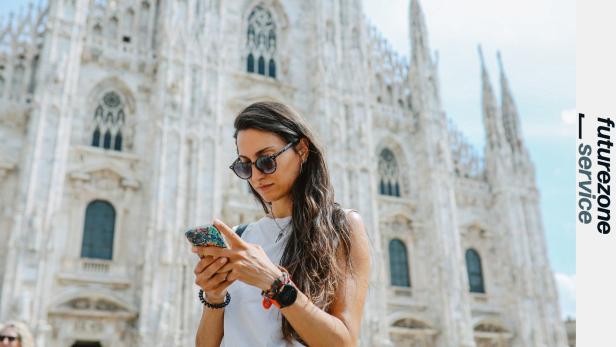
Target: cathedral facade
(116, 134)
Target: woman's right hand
(213, 283)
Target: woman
(318, 290)
(15, 334)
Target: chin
(269, 197)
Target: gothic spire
(491, 121)
(420, 51)
(511, 120)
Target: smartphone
(205, 235)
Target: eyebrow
(258, 152)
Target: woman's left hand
(247, 262)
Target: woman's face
(8, 333)
(253, 143)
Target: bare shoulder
(360, 248)
(355, 221)
(350, 296)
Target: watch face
(287, 295)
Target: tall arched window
(261, 66)
(109, 118)
(250, 63)
(398, 264)
(475, 274)
(261, 42)
(388, 174)
(98, 230)
(272, 69)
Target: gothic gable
(88, 304)
(106, 175)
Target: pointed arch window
(250, 64)
(261, 42)
(109, 119)
(272, 69)
(398, 264)
(475, 273)
(261, 66)
(389, 182)
(98, 230)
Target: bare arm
(340, 327)
(211, 327)
(214, 285)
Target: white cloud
(566, 294)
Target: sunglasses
(266, 164)
(11, 338)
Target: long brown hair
(320, 228)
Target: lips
(263, 187)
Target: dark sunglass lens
(266, 164)
(243, 170)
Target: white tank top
(246, 322)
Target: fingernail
(223, 260)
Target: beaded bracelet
(210, 305)
(278, 283)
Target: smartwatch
(286, 295)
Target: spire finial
(501, 69)
(500, 60)
(418, 32)
(509, 109)
(492, 122)
(480, 52)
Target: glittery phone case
(205, 235)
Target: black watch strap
(286, 296)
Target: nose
(256, 177)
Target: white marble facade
(129, 104)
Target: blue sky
(537, 42)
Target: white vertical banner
(595, 153)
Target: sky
(537, 43)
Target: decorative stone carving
(181, 72)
